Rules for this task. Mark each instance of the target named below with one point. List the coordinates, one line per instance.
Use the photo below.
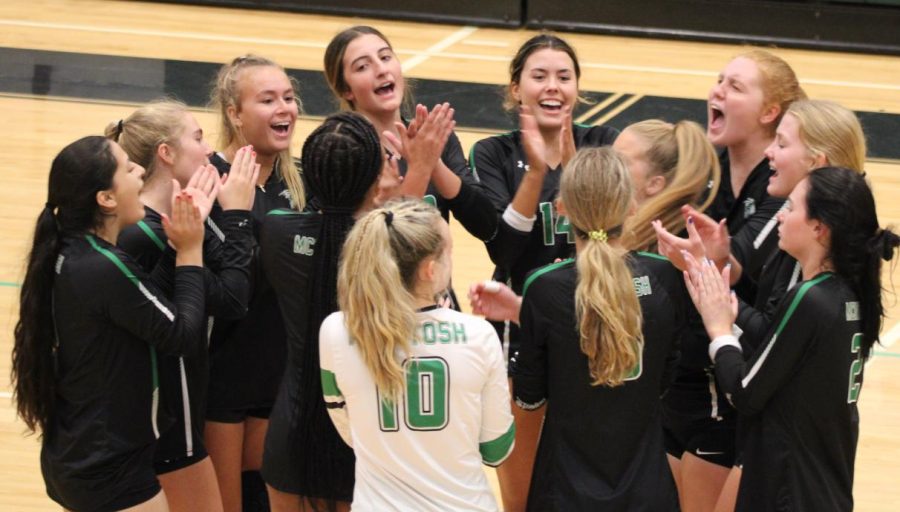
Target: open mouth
(385, 89)
(716, 116)
(281, 128)
(551, 105)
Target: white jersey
(424, 452)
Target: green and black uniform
(601, 447)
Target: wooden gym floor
(39, 123)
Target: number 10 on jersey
(426, 397)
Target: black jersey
(111, 319)
(227, 251)
(801, 388)
(780, 273)
(601, 447)
(499, 163)
(247, 356)
(470, 206)
(292, 462)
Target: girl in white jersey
(418, 391)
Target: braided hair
(341, 161)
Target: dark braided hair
(78, 172)
(842, 200)
(341, 162)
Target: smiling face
(190, 150)
(736, 106)
(373, 76)
(789, 158)
(267, 110)
(125, 192)
(547, 84)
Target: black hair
(78, 172)
(841, 199)
(341, 162)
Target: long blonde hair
(596, 192)
(141, 133)
(376, 281)
(831, 130)
(682, 155)
(226, 93)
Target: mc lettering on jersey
(642, 286)
(444, 333)
(304, 245)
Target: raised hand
(494, 301)
(203, 187)
(184, 228)
(532, 141)
(566, 138)
(674, 248)
(709, 290)
(389, 181)
(239, 185)
(716, 240)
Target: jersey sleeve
(754, 242)
(750, 384)
(228, 255)
(132, 303)
(529, 367)
(330, 334)
(488, 163)
(498, 431)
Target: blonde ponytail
(376, 281)
(606, 305)
(682, 155)
(141, 133)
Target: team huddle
(686, 311)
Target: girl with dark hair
(306, 464)
(165, 139)
(519, 173)
(805, 423)
(91, 323)
(365, 76)
(418, 390)
(258, 105)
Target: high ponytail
(606, 305)
(682, 155)
(78, 172)
(376, 282)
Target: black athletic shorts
(163, 466)
(237, 415)
(710, 439)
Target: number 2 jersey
(601, 447)
(423, 452)
(798, 393)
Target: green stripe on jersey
(797, 298)
(113, 258)
(543, 270)
(329, 384)
(286, 211)
(149, 232)
(653, 255)
(493, 452)
(472, 162)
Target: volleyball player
(418, 390)
(306, 463)
(812, 134)
(91, 323)
(522, 185)
(258, 105)
(165, 139)
(802, 385)
(744, 108)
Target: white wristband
(722, 341)
(518, 221)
